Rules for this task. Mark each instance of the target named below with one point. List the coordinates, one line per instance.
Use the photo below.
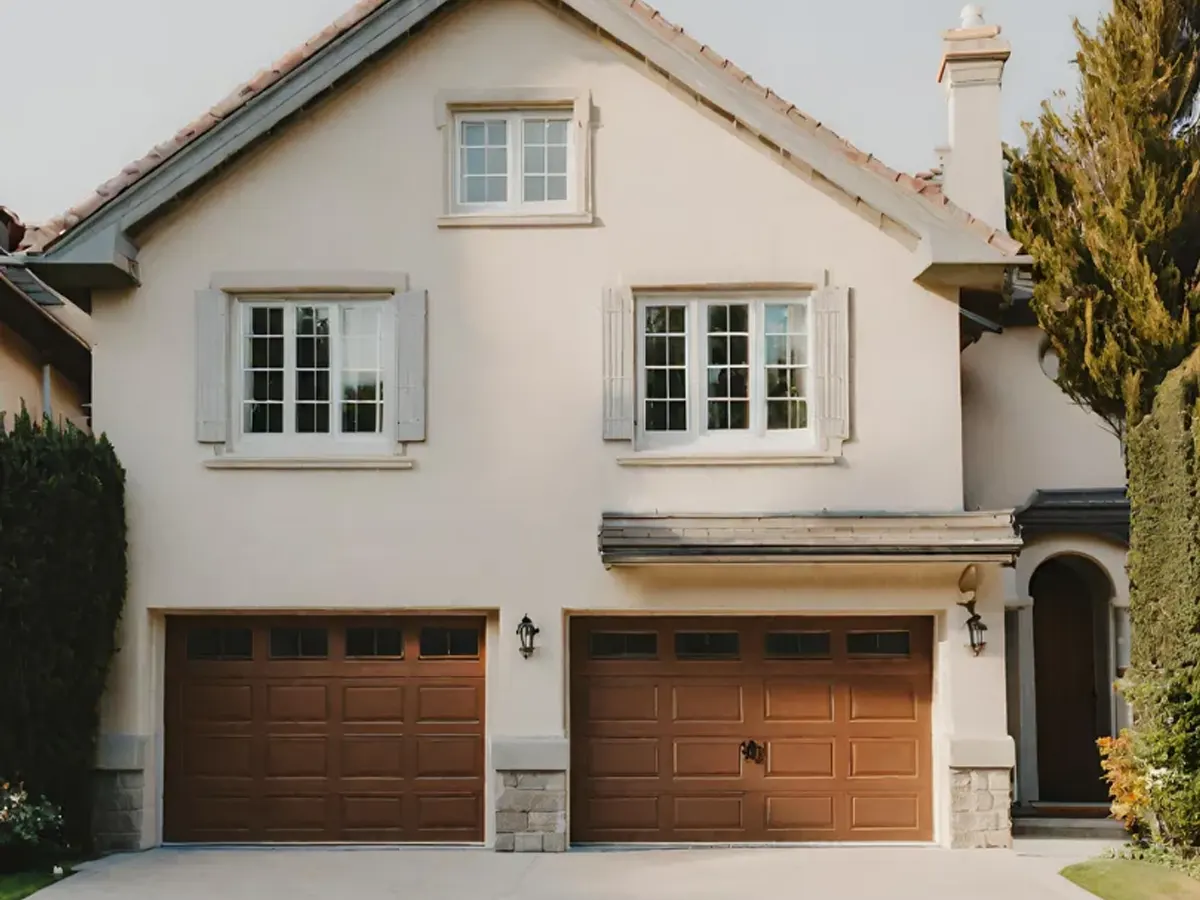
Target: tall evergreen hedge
(62, 587)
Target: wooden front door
(1068, 705)
(663, 710)
(308, 729)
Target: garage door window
(374, 642)
(706, 645)
(447, 643)
(623, 645)
(797, 645)
(220, 644)
(878, 643)
(299, 643)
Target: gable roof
(812, 149)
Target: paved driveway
(1027, 873)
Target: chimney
(973, 58)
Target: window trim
(291, 444)
(698, 439)
(451, 106)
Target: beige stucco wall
(21, 383)
(1021, 432)
(502, 508)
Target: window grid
(314, 371)
(519, 161)
(722, 370)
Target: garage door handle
(754, 751)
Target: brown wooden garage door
(321, 730)
(662, 711)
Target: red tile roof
(38, 238)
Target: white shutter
(410, 365)
(212, 367)
(619, 340)
(831, 333)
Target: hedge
(62, 587)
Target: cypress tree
(1107, 201)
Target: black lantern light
(976, 628)
(526, 631)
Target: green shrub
(62, 587)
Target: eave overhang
(1100, 512)
(661, 539)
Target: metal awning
(638, 539)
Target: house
(45, 355)
(539, 433)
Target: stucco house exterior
(45, 351)
(475, 314)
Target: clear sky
(91, 84)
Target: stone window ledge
(656, 458)
(551, 220)
(374, 463)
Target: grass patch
(21, 885)
(1125, 879)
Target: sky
(92, 84)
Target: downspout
(47, 406)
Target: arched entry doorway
(1071, 639)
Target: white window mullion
(516, 162)
(697, 348)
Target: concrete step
(1041, 826)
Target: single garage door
(305, 729)
(664, 710)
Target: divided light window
(315, 370)
(520, 161)
(721, 370)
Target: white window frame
(699, 437)
(514, 105)
(290, 442)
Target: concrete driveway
(1027, 873)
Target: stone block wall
(117, 810)
(982, 808)
(531, 812)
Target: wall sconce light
(968, 584)
(526, 631)
(976, 628)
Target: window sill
(310, 462)
(658, 458)
(514, 220)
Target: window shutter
(212, 367)
(410, 365)
(831, 334)
(619, 343)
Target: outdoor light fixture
(975, 627)
(526, 631)
(968, 584)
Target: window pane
(204, 643)
(362, 642)
(263, 374)
(497, 189)
(312, 377)
(535, 189)
(797, 645)
(362, 372)
(497, 133)
(299, 643)
(665, 363)
(728, 378)
(623, 645)
(443, 642)
(535, 160)
(556, 187)
(220, 644)
(473, 134)
(785, 343)
(475, 190)
(786, 414)
(535, 131)
(556, 160)
(483, 161)
(475, 161)
(706, 644)
(497, 161)
(878, 643)
(556, 131)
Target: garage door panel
(801, 812)
(297, 703)
(375, 703)
(324, 748)
(845, 725)
(707, 758)
(884, 757)
(798, 701)
(811, 758)
(707, 702)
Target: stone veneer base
(982, 808)
(531, 812)
(117, 810)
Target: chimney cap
(972, 16)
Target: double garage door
(304, 729)
(324, 730)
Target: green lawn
(1123, 879)
(16, 887)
